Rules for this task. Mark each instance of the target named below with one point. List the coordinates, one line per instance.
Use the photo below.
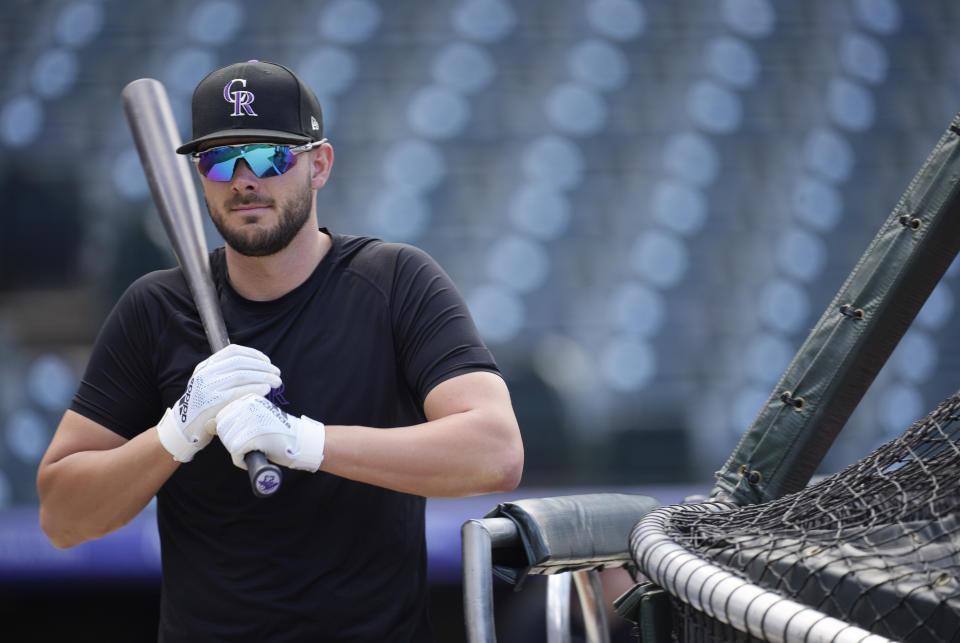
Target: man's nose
(243, 177)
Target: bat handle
(265, 477)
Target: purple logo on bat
(241, 99)
(267, 482)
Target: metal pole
(593, 606)
(558, 608)
(478, 538)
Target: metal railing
(480, 537)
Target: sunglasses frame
(195, 156)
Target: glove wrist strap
(173, 439)
(312, 436)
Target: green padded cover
(833, 368)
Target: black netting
(693, 626)
(876, 545)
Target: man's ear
(321, 166)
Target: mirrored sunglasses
(263, 159)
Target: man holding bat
(354, 364)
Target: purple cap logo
(241, 99)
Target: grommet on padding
(796, 402)
(847, 310)
(910, 222)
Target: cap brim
(251, 134)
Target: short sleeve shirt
(361, 342)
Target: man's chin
(255, 243)
(250, 246)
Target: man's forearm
(455, 456)
(88, 494)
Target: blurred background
(647, 205)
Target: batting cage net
(875, 546)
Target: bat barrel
(154, 130)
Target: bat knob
(265, 477)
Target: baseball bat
(147, 107)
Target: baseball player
(355, 365)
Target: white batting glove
(228, 374)
(253, 423)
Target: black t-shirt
(362, 341)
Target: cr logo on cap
(241, 99)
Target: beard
(292, 214)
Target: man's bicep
(77, 433)
(468, 392)
(485, 427)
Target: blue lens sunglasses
(263, 159)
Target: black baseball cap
(255, 100)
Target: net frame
(875, 547)
(726, 597)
